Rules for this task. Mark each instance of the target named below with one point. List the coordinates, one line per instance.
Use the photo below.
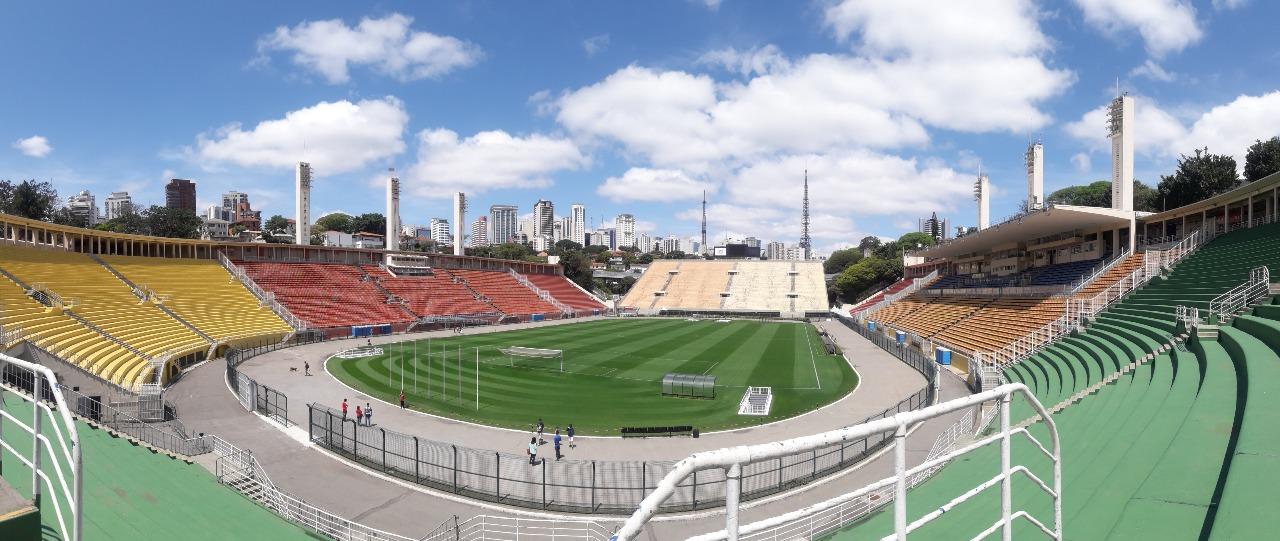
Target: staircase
(671, 274)
(474, 293)
(145, 294)
(265, 298)
(541, 293)
(728, 286)
(391, 298)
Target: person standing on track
(555, 440)
(368, 414)
(541, 427)
(344, 409)
(401, 398)
(570, 432)
(533, 451)
(359, 415)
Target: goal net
(534, 357)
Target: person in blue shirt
(556, 441)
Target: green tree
(335, 222)
(644, 259)
(511, 250)
(675, 254)
(577, 267)
(1262, 159)
(64, 216)
(840, 260)
(565, 245)
(1098, 194)
(128, 221)
(1198, 176)
(369, 222)
(915, 240)
(172, 223)
(30, 199)
(276, 225)
(859, 279)
(869, 242)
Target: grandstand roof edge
(1264, 184)
(1055, 219)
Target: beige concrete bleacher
(811, 287)
(106, 302)
(697, 285)
(941, 314)
(760, 285)
(654, 278)
(204, 294)
(1003, 322)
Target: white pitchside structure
(302, 204)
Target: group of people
(556, 441)
(363, 416)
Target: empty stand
(438, 294)
(326, 294)
(810, 287)
(567, 293)
(697, 285)
(652, 281)
(759, 285)
(505, 293)
(105, 302)
(204, 294)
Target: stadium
(1071, 371)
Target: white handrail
(67, 437)
(1083, 281)
(733, 459)
(916, 284)
(264, 296)
(541, 293)
(1228, 304)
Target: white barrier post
(732, 494)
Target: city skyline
(740, 99)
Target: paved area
(350, 491)
(883, 382)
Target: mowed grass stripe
(737, 353)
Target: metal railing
(265, 297)
(1225, 306)
(116, 419)
(496, 528)
(1096, 273)
(916, 284)
(1189, 316)
(733, 460)
(37, 384)
(541, 293)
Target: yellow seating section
(1003, 322)
(940, 314)
(65, 337)
(103, 300)
(204, 294)
(697, 286)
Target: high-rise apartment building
(180, 193)
(84, 207)
(625, 224)
(503, 219)
(117, 204)
(544, 215)
(578, 223)
(440, 231)
(480, 232)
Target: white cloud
(334, 137)
(753, 61)
(641, 184)
(1226, 129)
(36, 146)
(926, 28)
(1165, 25)
(488, 160)
(1153, 71)
(387, 45)
(710, 4)
(1226, 5)
(881, 99)
(595, 44)
(1082, 162)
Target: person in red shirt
(344, 409)
(359, 414)
(402, 399)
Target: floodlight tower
(393, 210)
(1035, 175)
(302, 204)
(704, 222)
(1120, 130)
(982, 194)
(459, 213)
(805, 241)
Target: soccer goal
(533, 357)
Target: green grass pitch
(612, 374)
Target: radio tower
(805, 244)
(704, 222)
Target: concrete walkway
(884, 381)
(354, 492)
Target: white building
(480, 232)
(644, 243)
(578, 224)
(540, 243)
(440, 231)
(544, 216)
(671, 244)
(215, 229)
(85, 207)
(774, 250)
(625, 224)
(562, 229)
(117, 204)
(503, 223)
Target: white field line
(809, 342)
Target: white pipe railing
(1257, 287)
(497, 528)
(541, 293)
(266, 297)
(916, 284)
(734, 458)
(68, 448)
(1084, 281)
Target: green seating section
(1183, 447)
(131, 493)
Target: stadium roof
(1261, 187)
(1041, 223)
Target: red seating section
(870, 301)
(433, 295)
(505, 293)
(565, 292)
(326, 295)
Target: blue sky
(626, 107)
